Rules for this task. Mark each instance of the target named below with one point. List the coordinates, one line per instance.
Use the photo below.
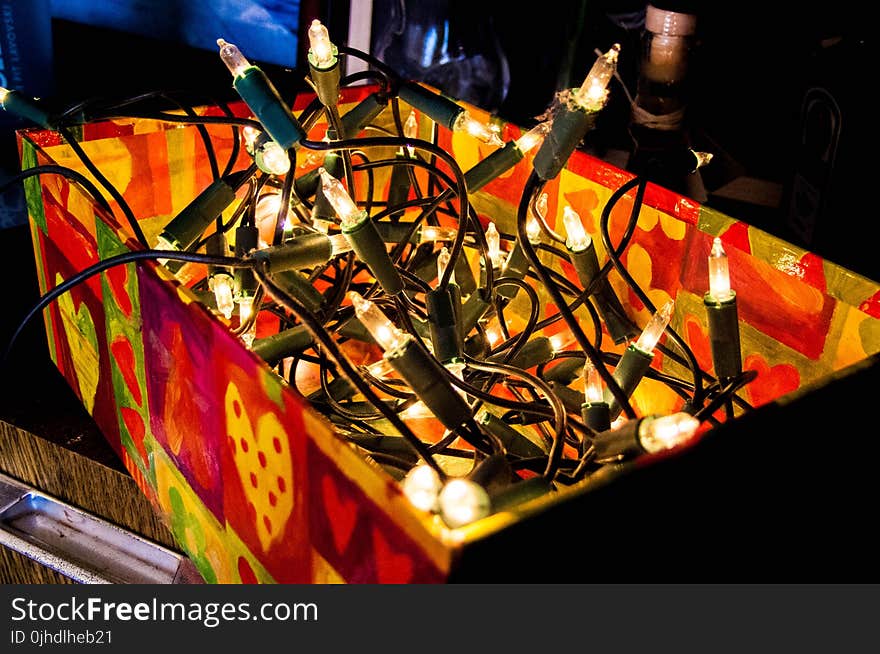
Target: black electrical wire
(110, 262)
(532, 187)
(54, 169)
(614, 258)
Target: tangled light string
(349, 272)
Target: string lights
(336, 261)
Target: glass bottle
(658, 126)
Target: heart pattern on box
(262, 459)
(82, 341)
(392, 567)
(341, 513)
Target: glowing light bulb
(493, 241)
(493, 335)
(274, 159)
(232, 57)
(719, 273)
(592, 384)
(467, 123)
(431, 233)
(316, 157)
(463, 502)
(221, 285)
(592, 93)
(320, 45)
(245, 313)
(411, 131)
(533, 231)
(443, 263)
(664, 433)
(703, 158)
(339, 244)
(340, 200)
(380, 369)
(321, 225)
(3, 93)
(266, 214)
(164, 244)
(422, 487)
(654, 329)
(457, 369)
(387, 335)
(249, 134)
(416, 411)
(533, 226)
(578, 240)
(533, 137)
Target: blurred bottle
(449, 44)
(662, 92)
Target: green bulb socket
(570, 398)
(322, 209)
(629, 372)
(397, 232)
(514, 441)
(187, 226)
(474, 308)
(566, 371)
(570, 125)
(724, 337)
(493, 473)
(464, 276)
(441, 110)
(326, 80)
(304, 251)
(306, 185)
(519, 493)
(618, 444)
(596, 415)
(370, 248)
(516, 266)
(273, 349)
(247, 239)
(586, 266)
(298, 285)
(497, 163)
(444, 309)
(427, 379)
(535, 352)
(362, 114)
(265, 102)
(216, 246)
(339, 389)
(398, 187)
(24, 107)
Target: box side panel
(63, 227)
(244, 447)
(125, 338)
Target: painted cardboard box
(255, 484)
